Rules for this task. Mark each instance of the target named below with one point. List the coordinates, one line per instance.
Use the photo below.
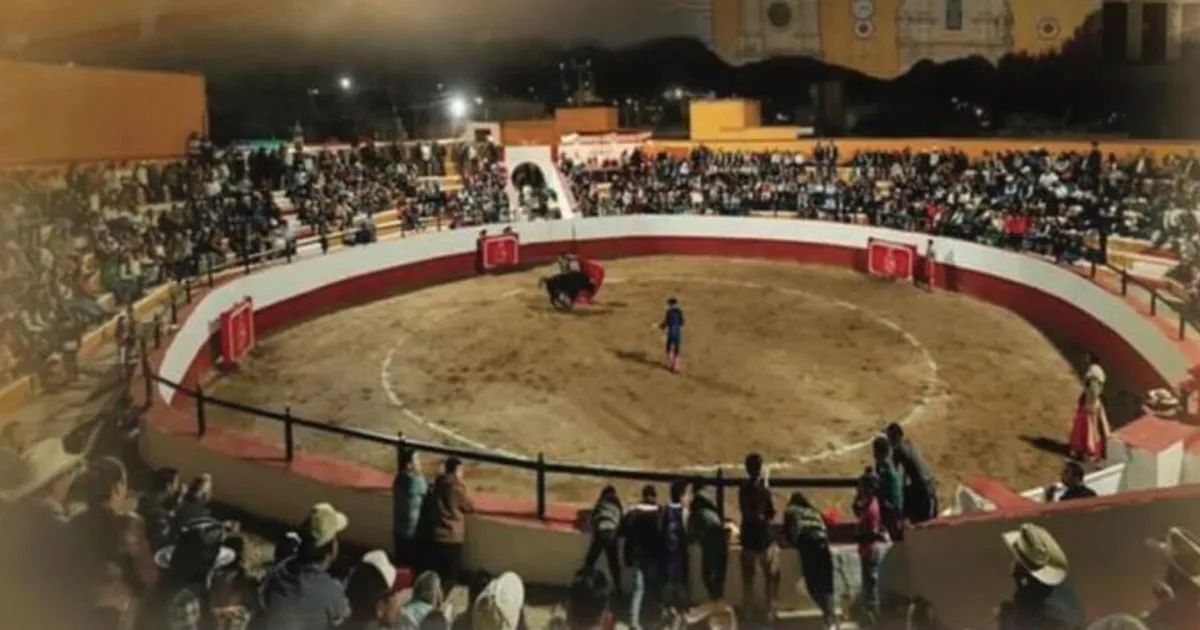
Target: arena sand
(801, 363)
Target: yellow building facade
(885, 38)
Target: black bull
(565, 288)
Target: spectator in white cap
(501, 605)
(1044, 599)
(300, 594)
(373, 592)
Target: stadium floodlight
(457, 107)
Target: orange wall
(586, 119)
(529, 132)
(52, 113)
(713, 118)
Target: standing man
(408, 493)
(448, 522)
(672, 323)
(759, 550)
(643, 551)
(919, 487)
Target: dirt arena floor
(801, 363)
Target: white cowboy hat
(1037, 551)
(1181, 551)
(38, 465)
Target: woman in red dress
(1090, 429)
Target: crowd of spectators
(80, 244)
(107, 557)
(1036, 198)
(83, 549)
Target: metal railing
(185, 291)
(1180, 306)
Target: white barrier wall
(937, 562)
(278, 284)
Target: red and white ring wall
(1055, 299)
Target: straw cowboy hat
(37, 466)
(1037, 551)
(1181, 551)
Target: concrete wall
(958, 563)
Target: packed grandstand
(84, 245)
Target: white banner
(609, 146)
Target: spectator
(1073, 485)
(157, 507)
(760, 553)
(436, 620)
(806, 529)
(1178, 593)
(707, 529)
(920, 489)
(300, 594)
(194, 505)
(37, 558)
(643, 551)
(871, 535)
(234, 592)
(891, 493)
(501, 605)
(1044, 599)
(605, 523)
(676, 587)
(426, 598)
(447, 506)
(408, 492)
(181, 600)
(116, 564)
(373, 593)
(588, 602)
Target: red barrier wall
(1049, 313)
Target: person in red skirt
(1090, 428)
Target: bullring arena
(802, 363)
(397, 336)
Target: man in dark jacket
(643, 550)
(1073, 486)
(605, 523)
(760, 552)
(408, 492)
(673, 530)
(919, 486)
(300, 594)
(1044, 599)
(707, 529)
(445, 510)
(805, 527)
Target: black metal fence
(189, 289)
(186, 291)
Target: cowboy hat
(1036, 550)
(37, 466)
(1181, 550)
(198, 540)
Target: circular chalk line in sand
(933, 390)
